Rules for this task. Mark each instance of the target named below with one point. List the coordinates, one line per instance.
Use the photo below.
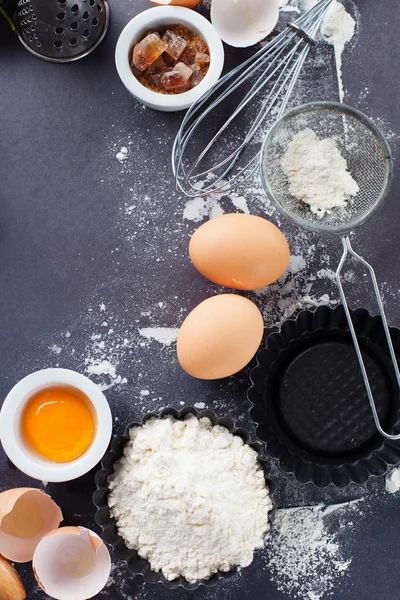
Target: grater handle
(347, 249)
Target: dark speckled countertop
(93, 247)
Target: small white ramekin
(10, 425)
(155, 18)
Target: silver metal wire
(262, 83)
(370, 163)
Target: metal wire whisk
(272, 74)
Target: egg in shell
(239, 251)
(71, 563)
(11, 587)
(26, 515)
(242, 23)
(219, 337)
(185, 3)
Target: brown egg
(219, 337)
(185, 3)
(11, 587)
(239, 251)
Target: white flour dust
(196, 209)
(164, 335)
(289, 6)
(393, 481)
(294, 291)
(338, 28)
(199, 405)
(122, 154)
(303, 553)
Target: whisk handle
(347, 249)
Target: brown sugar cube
(200, 44)
(158, 66)
(150, 32)
(202, 58)
(173, 80)
(147, 51)
(175, 44)
(169, 61)
(134, 69)
(184, 70)
(157, 81)
(196, 78)
(188, 56)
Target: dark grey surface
(68, 243)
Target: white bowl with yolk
(74, 456)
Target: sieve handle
(347, 249)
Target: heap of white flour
(190, 497)
(317, 173)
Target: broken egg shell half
(185, 3)
(242, 23)
(71, 563)
(26, 515)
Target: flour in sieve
(189, 497)
(317, 173)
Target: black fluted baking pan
(137, 565)
(309, 402)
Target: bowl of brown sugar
(169, 56)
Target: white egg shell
(26, 515)
(242, 23)
(71, 563)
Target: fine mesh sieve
(360, 143)
(61, 30)
(369, 162)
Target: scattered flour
(101, 368)
(106, 371)
(317, 173)
(307, 4)
(326, 274)
(297, 263)
(56, 349)
(122, 155)
(297, 290)
(393, 481)
(176, 492)
(304, 558)
(163, 335)
(288, 6)
(200, 405)
(196, 209)
(338, 28)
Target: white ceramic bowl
(29, 462)
(155, 18)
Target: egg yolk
(57, 424)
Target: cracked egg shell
(26, 515)
(242, 23)
(71, 563)
(184, 3)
